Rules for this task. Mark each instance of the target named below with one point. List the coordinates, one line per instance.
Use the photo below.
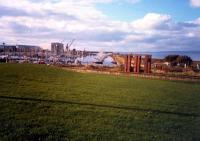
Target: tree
(178, 59)
(172, 59)
(184, 60)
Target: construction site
(67, 57)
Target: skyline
(111, 25)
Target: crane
(69, 44)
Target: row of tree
(175, 60)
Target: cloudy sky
(111, 25)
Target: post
(138, 64)
(129, 64)
(147, 64)
(125, 63)
(135, 63)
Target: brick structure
(133, 63)
(126, 64)
(147, 64)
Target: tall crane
(69, 44)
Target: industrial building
(57, 48)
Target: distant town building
(57, 48)
(8, 48)
(18, 49)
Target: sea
(195, 55)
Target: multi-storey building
(57, 48)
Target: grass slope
(47, 103)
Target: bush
(174, 69)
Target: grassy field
(47, 103)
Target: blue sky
(110, 25)
(180, 10)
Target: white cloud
(133, 1)
(152, 21)
(195, 3)
(46, 21)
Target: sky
(110, 25)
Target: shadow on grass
(100, 105)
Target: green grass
(48, 103)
